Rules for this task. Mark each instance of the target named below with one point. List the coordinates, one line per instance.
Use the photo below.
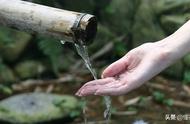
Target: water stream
(83, 52)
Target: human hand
(131, 71)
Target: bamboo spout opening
(85, 28)
(91, 30)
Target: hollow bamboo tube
(34, 18)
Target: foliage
(14, 41)
(6, 74)
(29, 69)
(52, 49)
(120, 48)
(160, 98)
(186, 78)
(5, 90)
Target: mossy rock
(29, 69)
(36, 107)
(6, 74)
(12, 43)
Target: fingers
(110, 88)
(111, 91)
(88, 91)
(116, 67)
(92, 86)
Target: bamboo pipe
(62, 24)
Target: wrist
(177, 44)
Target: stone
(29, 69)
(36, 107)
(6, 74)
(12, 43)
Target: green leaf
(120, 48)
(75, 113)
(168, 102)
(158, 96)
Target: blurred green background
(123, 25)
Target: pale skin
(140, 65)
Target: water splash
(83, 52)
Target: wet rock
(29, 69)
(36, 107)
(12, 43)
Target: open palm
(131, 71)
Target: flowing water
(83, 52)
